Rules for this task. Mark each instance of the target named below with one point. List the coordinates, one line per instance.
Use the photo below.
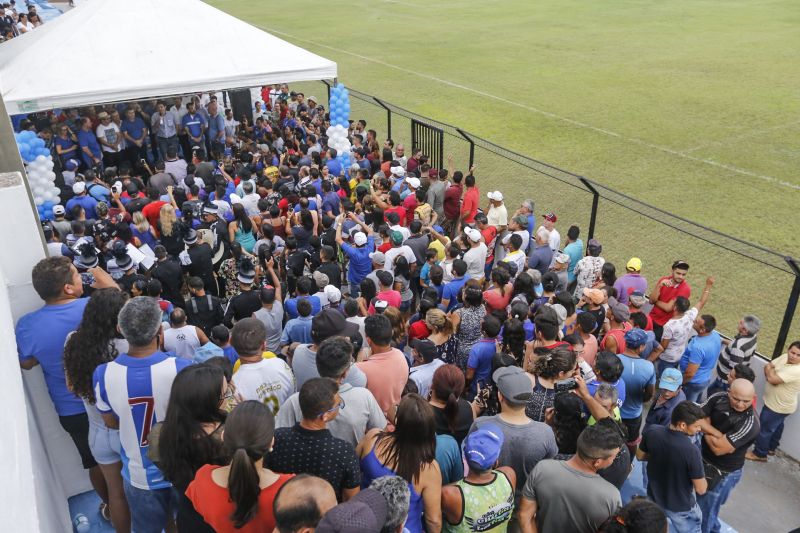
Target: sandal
(105, 512)
(750, 456)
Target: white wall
(790, 442)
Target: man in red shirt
(664, 294)
(452, 206)
(410, 202)
(153, 208)
(469, 208)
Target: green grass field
(689, 105)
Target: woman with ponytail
(238, 498)
(454, 415)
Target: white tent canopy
(117, 50)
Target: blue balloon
(48, 204)
(48, 214)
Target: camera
(566, 385)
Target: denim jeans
(165, 143)
(718, 385)
(771, 431)
(150, 509)
(354, 290)
(712, 501)
(685, 521)
(694, 391)
(662, 365)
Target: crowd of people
(15, 22)
(239, 334)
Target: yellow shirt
(264, 355)
(783, 398)
(439, 247)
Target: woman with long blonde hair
(170, 230)
(142, 230)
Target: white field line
(633, 140)
(745, 135)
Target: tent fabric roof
(116, 50)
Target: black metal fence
(751, 279)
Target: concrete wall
(790, 442)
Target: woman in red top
(238, 498)
(499, 295)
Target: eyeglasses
(227, 395)
(336, 407)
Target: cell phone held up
(565, 385)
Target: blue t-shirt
(86, 139)
(136, 390)
(450, 291)
(291, 305)
(619, 385)
(194, 124)
(66, 144)
(334, 167)
(480, 358)
(230, 354)
(312, 206)
(298, 330)
(86, 202)
(702, 351)
(135, 128)
(41, 334)
(99, 193)
(575, 252)
(215, 126)
(230, 188)
(638, 374)
(360, 263)
(330, 202)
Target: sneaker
(771, 452)
(750, 456)
(105, 512)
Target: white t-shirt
(270, 381)
(678, 331)
(555, 239)
(183, 341)
(476, 261)
(517, 257)
(393, 253)
(423, 376)
(109, 134)
(498, 216)
(405, 231)
(230, 127)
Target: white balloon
(40, 158)
(51, 175)
(38, 200)
(48, 195)
(37, 191)
(56, 191)
(49, 164)
(329, 131)
(57, 199)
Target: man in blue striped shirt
(132, 394)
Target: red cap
(550, 217)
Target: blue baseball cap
(482, 446)
(671, 379)
(635, 338)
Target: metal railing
(756, 279)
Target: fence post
(791, 307)
(388, 117)
(328, 87)
(471, 146)
(595, 202)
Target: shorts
(78, 428)
(104, 443)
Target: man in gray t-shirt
(359, 411)
(570, 495)
(304, 367)
(526, 442)
(436, 195)
(271, 315)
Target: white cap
(58, 210)
(398, 171)
(117, 186)
(332, 293)
(413, 182)
(79, 187)
(473, 234)
(360, 239)
(497, 196)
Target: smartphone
(566, 385)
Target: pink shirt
(590, 349)
(387, 374)
(392, 297)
